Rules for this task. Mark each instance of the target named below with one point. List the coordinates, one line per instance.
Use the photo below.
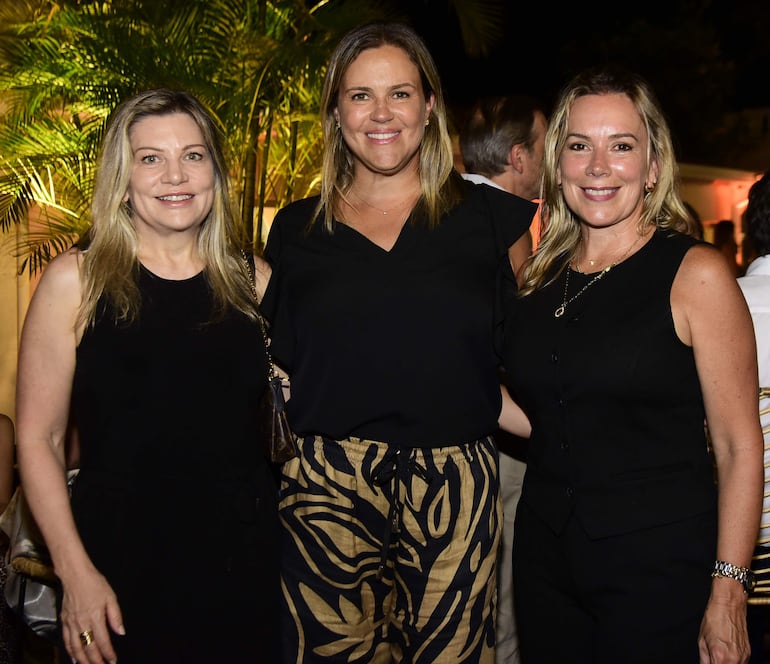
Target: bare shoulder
(704, 262)
(58, 294)
(704, 293)
(62, 273)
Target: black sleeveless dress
(614, 398)
(175, 502)
(616, 529)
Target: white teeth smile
(382, 137)
(598, 192)
(175, 198)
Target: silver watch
(742, 575)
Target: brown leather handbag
(278, 440)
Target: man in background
(502, 145)
(755, 286)
(724, 240)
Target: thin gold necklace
(379, 209)
(564, 301)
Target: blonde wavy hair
(440, 184)
(109, 264)
(663, 207)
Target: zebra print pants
(389, 555)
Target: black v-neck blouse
(399, 345)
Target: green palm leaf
(257, 65)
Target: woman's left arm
(710, 314)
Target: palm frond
(480, 24)
(256, 64)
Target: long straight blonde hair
(109, 262)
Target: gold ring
(86, 638)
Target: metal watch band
(742, 575)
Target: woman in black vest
(626, 335)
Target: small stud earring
(427, 122)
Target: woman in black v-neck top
(384, 303)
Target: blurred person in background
(10, 625)
(755, 286)
(7, 460)
(697, 231)
(723, 238)
(502, 146)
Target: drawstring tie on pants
(393, 469)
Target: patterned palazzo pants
(388, 554)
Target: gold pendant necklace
(564, 301)
(563, 306)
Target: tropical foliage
(67, 66)
(256, 64)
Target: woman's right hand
(90, 606)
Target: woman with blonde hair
(627, 334)
(384, 304)
(150, 332)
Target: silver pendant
(559, 311)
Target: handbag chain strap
(248, 258)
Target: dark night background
(704, 58)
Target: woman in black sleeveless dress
(167, 551)
(626, 335)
